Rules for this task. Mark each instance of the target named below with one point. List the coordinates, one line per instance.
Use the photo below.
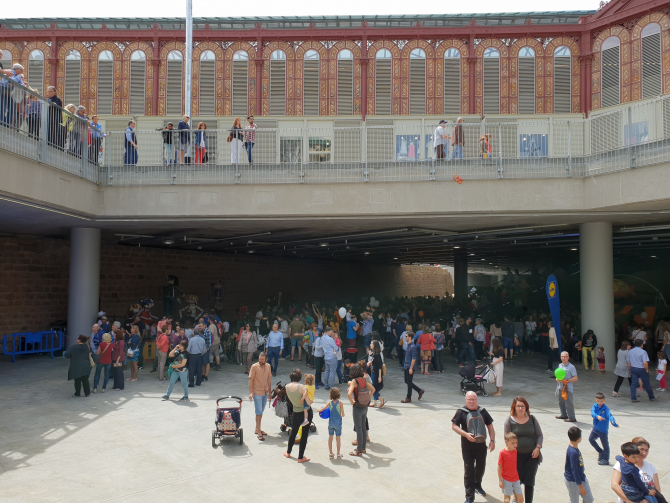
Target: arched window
(174, 93)
(562, 80)
(491, 81)
(36, 70)
(526, 87)
(240, 83)
(417, 82)
(611, 93)
(452, 81)
(383, 82)
(6, 59)
(310, 87)
(105, 82)
(278, 83)
(207, 94)
(72, 78)
(651, 61)
(345, 82)
(138, 74)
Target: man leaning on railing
(95, 148)
(10, 95)
(130, 144)
(55, 131)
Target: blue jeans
(634, 494)
(464, 349)
(98, 367)
(248, 146)
(339, 370)
(7, 107)
(603, 453)
(367, 340)
(273, 353)
(641, 374)
(183, 377)
(329, 377)
(458, 152)
(168, 153)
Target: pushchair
(474, 378)
(284, 408)
(228, 421)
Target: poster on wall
(407, 147)
(533, 145)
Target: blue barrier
(26, 343)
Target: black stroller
(474, 378)
(284, 408)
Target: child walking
(309, 384)
(602, 417)
(575, 475)
(508, 477)
(334, 421)
(631, 483)
(660, 371)
(601, 360)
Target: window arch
(417, 82)
(345, 82)
(72, 78)
(174, 87)
(278, 83)
(651, 61)
(562, 79)
(105, 82)
(138, 73)
(138, 56)
(36, 69)
(452, 81)
(207, 82)
(383, 82)
(310, 87)
(240, 83)
(491, 66)
(526, 87)
(611, 93)
(6, 59)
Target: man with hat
(441, 141)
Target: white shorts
(511, 487)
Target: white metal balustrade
(627, 137)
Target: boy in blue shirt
(631, 483)
(602, 417)
(575, 476)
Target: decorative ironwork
(629, 24)
(401, 43)
(435, 42)
(225, 44)
(253, 44)
(370, 43)
(544, 41)
(328, 44)
(88, 44)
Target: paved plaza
(131, 446)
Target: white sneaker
(305, 423)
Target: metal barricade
(26, 343)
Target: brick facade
(34, 275)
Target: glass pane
(345, 54)
(138, 56)
(207, 56)
(311, 54)
(290, 150)
(319, 149)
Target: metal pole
(500, 171)
(189, 57)
(631, 155)
(569, 153)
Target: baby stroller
(284, 408)
(474, 378)
(228, 420)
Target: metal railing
(623, 138)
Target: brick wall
(34, 276)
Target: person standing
(130, 145)
(352, 333)
(440, 141)
(507, 329)
(466, 341)
(498, 365)
(207, 336)
(250, 136)
(471, 423)
(201, 144)
(236, 140)
(329, 348)
(575, 475)
(553, 347)
(195, 349)
(104, 362)
(118, 359)
(97, 135)
(366, 327)
(179, 369)
(621, 370)
(215, 348)
(529, 435)
(411, 357)
(134, 342)
(260, 386)
(162, 349)
(80, 365)
(589, 344)
(376, 366)
(296, 331)
(297, 394)
(55, 115)
(275, 347)
(519, 333)
(458, 139)
(168, 141)
(567, 407)
(638, 364)
(359, 393)
(602, 417)
(317, 348)
(248, 346)
(480, 338)
(96, 338)
(184, 137)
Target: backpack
(362, 394)
(439, 338)
(476, 424)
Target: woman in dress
(200, 143)
(498, 355)
(248, 346)
(529, 436)
(80, 365)
(621, 370)
(134, 346)
(297, 393)
(236, 141)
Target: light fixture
(395, 258)
(573, 249)
(199, 247)
(367, 253)
(323, 244)
(472, 254)
(250, 251)
(653, 256)
(455, 247)
(483, 259)
(168, 242)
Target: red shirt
(163, 343)
(105, 356)
(508, 461)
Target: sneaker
(603, 462)
(94, 390)
(614, 393)
(140, 368)
(653, 399)
(549, 370)
(305, 423)
(479, 490)
(166, 397)
(634, 400)
(152, 370)
(183, 398)
(326, 387)
(316, 386)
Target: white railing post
(569, 152)
(44, 131)
(631, 154)
(500, 169)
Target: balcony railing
(629, 136)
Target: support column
(84, 292)
(461, 274)
(597, 288)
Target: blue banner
(554, 306)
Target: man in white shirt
(553, 348)
(440, 141)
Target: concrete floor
(131, 446)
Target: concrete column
(597, 289)
(461, 275)
(84, 293)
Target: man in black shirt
(507, 330)
(466, 341)
(474, 453)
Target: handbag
(205, 159)
(130, 352)
(90, 360)
(281, 409)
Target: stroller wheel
(241, 436)
(282, 427)
(214, 445)
(312, 428)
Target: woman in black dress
(376, 369)
(80, 365)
